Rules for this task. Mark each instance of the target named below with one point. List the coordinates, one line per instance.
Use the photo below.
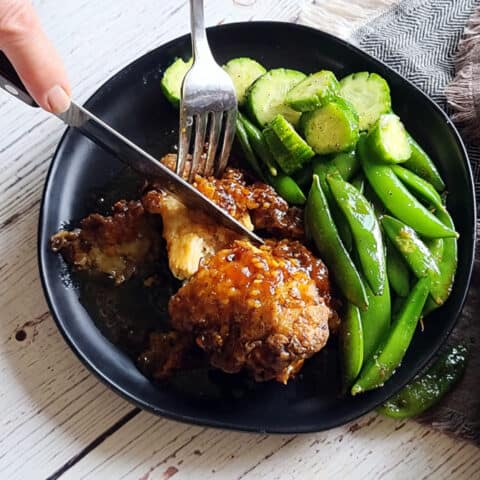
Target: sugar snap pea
(418, 186)
(375, 319)
(287, 188)
(381, 366)
(430, 387)
(322, 169)
(327, 240)
(397, 270)
(397, 305)
(421, 164)
(351, 340)
(258, 144)
(414, 251)
(447, 262)
(359, 183)
(347, 163)
(304, 177)
(248, 152)
(365, 230)
(417, 255)
(399, 201)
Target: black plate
(132, 102)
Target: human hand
(33, 56)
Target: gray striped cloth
(419, 38)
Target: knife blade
(105, 136)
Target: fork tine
(199, 146)
(215, 129)
(231, 116)
(185, 133)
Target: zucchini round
(332, 128)
(266, 97)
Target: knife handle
(11, 83)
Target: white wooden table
(56, 418)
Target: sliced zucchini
(289, 149)
(243, 71)
(266, 97)
(369, 94)
(313, 92)
(332, 128)
(173, 78)
(388, 140)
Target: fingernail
(58, 100)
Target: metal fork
(208, 100)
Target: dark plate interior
(133, 103)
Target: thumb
(33, 56)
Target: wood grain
(57, 419)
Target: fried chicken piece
(273, 214)
(192, 236)
(165, 354)
(263, 309)
(115, 245)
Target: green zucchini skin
(266, 97)
(172, 80)
(313, 92)
(369, 94)
(387, 141)
(289, 149)
(332, 128)
(243, 71)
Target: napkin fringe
(463, 93)
(469, 46)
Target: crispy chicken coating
(264, 310)
(192, 236)
(114, 245)
(165, 354)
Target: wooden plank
(148, 448)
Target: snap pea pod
(258, 144)
(397, 271)
(351, 340)
(447, 264)
(414, 251)
(419, 186)
(372, 197)
(416, 254)
(322, 169)
(347, 163)
(364, 228)
(359, 183)
(399, 201)
(327, 240)
(429, 388)
(287, 188)
(304, 177)
(389, 355)
(248, 152)
(375, 319)
(421, 164)
(397, 305)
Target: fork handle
(200, 46)
(11, 83)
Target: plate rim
(138, 402)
